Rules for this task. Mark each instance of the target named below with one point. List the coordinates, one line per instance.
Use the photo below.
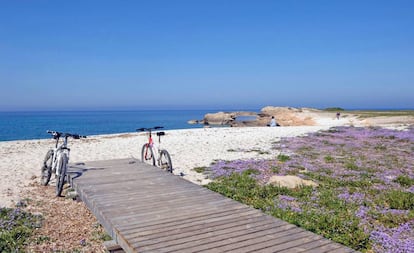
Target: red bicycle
(153, 154)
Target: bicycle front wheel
(165, 161)
(46, 171)
(60, 180)
(147, 155)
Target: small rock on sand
(290, 181)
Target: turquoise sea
(33, 125)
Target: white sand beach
(20, 161)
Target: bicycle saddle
(160, 133)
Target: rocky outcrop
(289, 116)
(226, 119)
(285, 116)
(220, 118)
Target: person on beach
(338, 114)
(273, 122)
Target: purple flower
(360, 165)
(399, 239)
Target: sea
(29, 125)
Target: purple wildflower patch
(368, 172)
(398, 239)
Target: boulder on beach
(219, 118)
(290, 181)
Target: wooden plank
(145, 197)
(188, 229)
(178, 211)
(197, 216)
(279, 244)
(212, 243)
(321, 245)
(201, 240)
(202, 217)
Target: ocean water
(33, 125)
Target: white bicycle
(56, 160)
(153, 154)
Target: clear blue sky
(206, 53)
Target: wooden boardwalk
(145, 209)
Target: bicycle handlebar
(148, 128)
(57, 134)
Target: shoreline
(32, 126)
(21, 160)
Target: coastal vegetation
(364, 198)
(382, 113)
(43, 223)
(334, 109)
(365, 193)
(16, 226)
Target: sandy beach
(20, 161)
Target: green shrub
(328, 159)
(241, 187)
(398, 199)
(405, 181)
(334, 109)
(200, 169)
(283, 158)
(351, 166)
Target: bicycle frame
(57, 153)
(56, 160)
(153, 145)
(152, 153)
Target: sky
(57, 55)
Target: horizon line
(192, 107)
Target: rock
(193, 122)
(290, 181)
(288, 116)
(219, 118)
(285, 116)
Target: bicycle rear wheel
(60, 180)
(46, 170)
(147, 155)
(165, 161)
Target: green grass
(283, 158)
(397, 199)
(392, 113)
(200, 169)
(16, 226)
(404, 181)
(333, 218)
